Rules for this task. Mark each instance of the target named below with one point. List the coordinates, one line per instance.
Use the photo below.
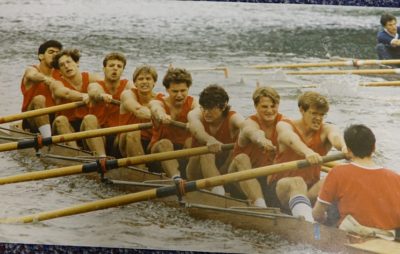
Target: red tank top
(311, 175)
(77, 113)
(130, 118)
(223, 133)
(37, 89)
(166, 131)
(108, 114)
(258, 156)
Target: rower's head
(389, 22)
(67, 61)
(113, 66)
(266, 101)
(313, 107)
(145, 78)
(214, 102)
(360, 140)
(177, 82)
(48, 50)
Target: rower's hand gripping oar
(168, 190)
(38, 142)
(104, 165)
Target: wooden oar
(381, 83)
(109, 164)
(342, 72)
(165, 191)
(224, 69)
(42, 111)
(37, 142)
(351, 62)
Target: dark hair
(214, 96)
(360, 140)
(313, 99)
(73, 53)
(386, 17)
(145, 69)
(49, 44)
(114, 56)
(177, 75)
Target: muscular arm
(197, 129)
(158, 111)
(335, 137)
(288, 138)
(33, 76)
(129, 103)
(95, 92)
(251, 132)
(60, 91)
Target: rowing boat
(206, 205)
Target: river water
(193, 35)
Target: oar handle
(326, 158)
(115, 102)
(178, 124)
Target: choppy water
(192, 35)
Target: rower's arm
(335, 137)
(97, 94)
(252, 132)
(158, 112)
(60, 91)
(289, 138)
(33, 76)
(197, 129)
(319, 211)
(129, 103)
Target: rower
(310, 138)
(388, 46)
(176, 107)
(135, 109)
(213, 124)
(73, 86)
(36, 91)
(368, 192)
(103, 114)
(257, 142)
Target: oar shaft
(382, 83)
(342, 72)
(42, 111)
(351, 62)
(29, 143)
(110, 164)
(167, 191)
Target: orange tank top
(77, 113)
(311, 175)
(166, 131)
(108, 114)
(223, 133)
(258, 156)
(130, 118)
(37, 89)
